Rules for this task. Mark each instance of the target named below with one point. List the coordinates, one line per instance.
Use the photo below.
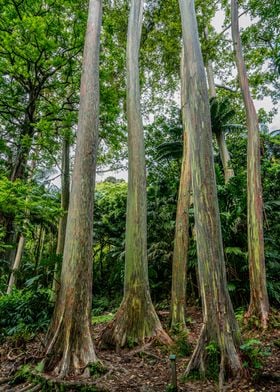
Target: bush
(23, 313)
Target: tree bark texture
(136, 318)
(65, 195)
(69, 348)
(219, 323)
(180, 252)
(20, 249)
(222, 145)
(259, 303)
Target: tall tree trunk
(180, 252)
(219, 323)
(136, 318)
(39, 250)
(220, 136)
(20, 249)
(65, 194)
(259, 303)
(69, 348)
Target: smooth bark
(136, 318)
(20, 249)
(180, 252)
(69, 349)
(65, 195)
(259, 303)
(220, 136)
(219, 323)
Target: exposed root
(253, 314)
(29, 388)
(67, 384)
(135, 323)
(226, 359)
(70, 350)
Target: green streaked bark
(259, 303)
(69, 348)
(223, 149)
(219, 323)
(65, 194)
(136, 318)
(180, 252)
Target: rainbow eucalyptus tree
(219, 133)
(69, 348)
(180, 252)
(259, 303)
(219, 324)
(136, 318)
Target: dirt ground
(145, 369)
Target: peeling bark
(180, 252)
(219, 323)
(69, 348)
(259, 303)
(136, 318)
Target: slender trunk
(69, 348)
(16, 265)
(219, 323)
(65, 194)
(40, 248)
(180, 252)
(225, 157)
(220, 136)
(136, 318)
(259, 303)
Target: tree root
(262, 316)
(134, 326)
(223, 360)
(53, 382)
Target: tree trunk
(180, 252)
(16, 265)
(136, 318)
(69, 349)
(225, 157)
(65, 193)
(223, 150)
(259, 303)
(219, 323)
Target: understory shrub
(24, 313)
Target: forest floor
(147, 369)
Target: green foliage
(24, 313)
(170, 388)
(213, 361)
(254, 354)
(97, 369)
(104, 318)
(181, 347)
